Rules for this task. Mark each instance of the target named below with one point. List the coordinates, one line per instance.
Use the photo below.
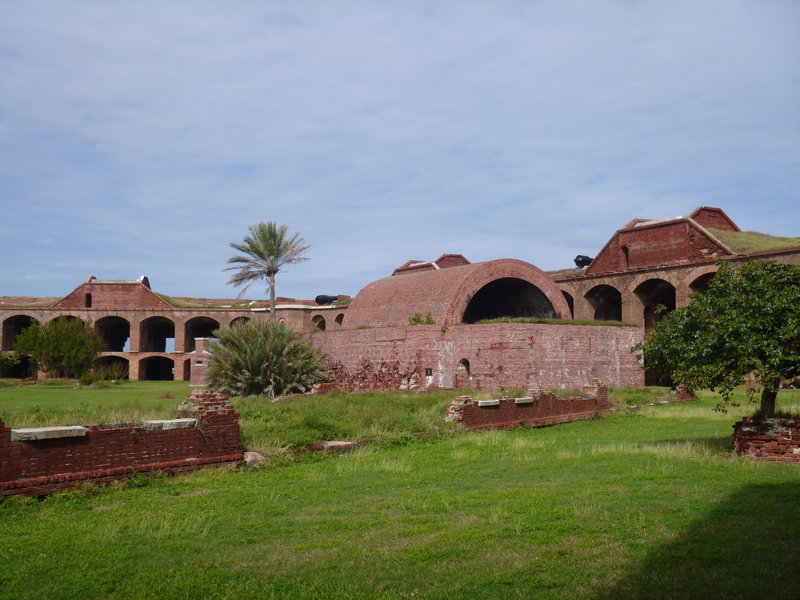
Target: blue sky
(143, 137)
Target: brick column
(180, 335)
(682, 292)
(133, 368)
(135, 335)
(584, 311)
(177, 370)
(632, 309)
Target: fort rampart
(40, 461)
(482, 356)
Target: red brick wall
(41, 467)
(772, 439)
(114, 296)
(714, 218)
(660, 244)
(545, 409)
(500, 355)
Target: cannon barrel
(324, 299)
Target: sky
(143, 137)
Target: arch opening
(701, 283)
(319, 323)
(463, 376)
(239, 321)
(111, 367)
(156, 368)
(654, 293)
(508, 297)
(115, 333)
(606, 301)
(12, 327)
(570, 303)
(199, 327)
(157, 334)
(339, 319)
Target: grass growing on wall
(554, 321)
(647, 504)
(753, 241)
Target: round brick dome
(459, 294)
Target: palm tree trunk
(273, 316)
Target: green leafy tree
(746, 323)
(62, 347)
(267, 249)
(8, 360)
(261, 357)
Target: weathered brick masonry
(489, 356)
(105, 453)
(771, 439)
(536, 409)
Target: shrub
(256, 358)
(419, 319)
(64, 347)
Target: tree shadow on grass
(746, 547)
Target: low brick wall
(536, 409)
(771, 439)
(33, 464)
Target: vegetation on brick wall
(420, 319)
(752, 241)
(263, 358)
(553, 321)
(746, 324)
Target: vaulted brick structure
(457, 291)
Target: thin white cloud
(145, 137)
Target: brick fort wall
(490, 356)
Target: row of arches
(154, 334)
(151, 368)
(606, 301)
(321, 325)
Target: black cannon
(323, 299)
(583, 261)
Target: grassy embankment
(645, 504)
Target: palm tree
(268, 248)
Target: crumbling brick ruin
(776, 439)
(536, 409)
(42, 460)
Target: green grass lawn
(646, 504)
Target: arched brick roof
(444, 293)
